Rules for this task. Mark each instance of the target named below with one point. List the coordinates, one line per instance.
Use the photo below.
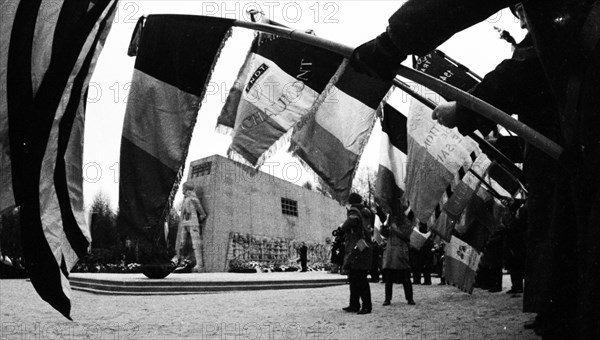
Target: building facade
(255, 215)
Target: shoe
(386, 302)
(411, 302)
(364, 311)
(351, 309)
(428, 283)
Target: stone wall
(244, 201)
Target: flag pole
(446, 90)
(505, 162)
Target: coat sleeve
(419, 26)
(516, 86)
(351, 223)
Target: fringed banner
(48, 53)
(175, 59)
(332, 138)
(461, 264)
(278, 85)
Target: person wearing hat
(358, 254)
(191, 222)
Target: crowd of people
(552, 83)
(393, 258)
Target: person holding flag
(531, 99)
(565, 37)
(357, 254)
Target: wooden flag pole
(446, 90)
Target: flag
(332, 138)
(389, 185)
(417, 238)
(277, 86)
(461, 262)
(467, 185)
(438, 66)
(48, 51)
(436, 154)
(175, 59)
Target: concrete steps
(205, 283)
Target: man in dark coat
(565, 34)
(303, 256)
(357, 261)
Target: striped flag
(461, 262)
(332, 138)
(277, 86)
(175, 59)
(389, 186)
(438, 65)
(48, 51)
(436, 155)
(469, 182)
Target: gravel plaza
(441, 312)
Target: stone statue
(191, 225)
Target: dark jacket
(355, 229)
(395, 255)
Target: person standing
(531, 99)
(191, 224)
(565, 35)
(303, 254)
(357, 255)
(396, 265)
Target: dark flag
(175, 59)
(436, 65)
(389, 186)
(48, 52)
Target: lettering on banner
(257, 74)
(304, 70)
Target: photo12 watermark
(267, 330)
(67, 331)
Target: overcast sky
(347, 22)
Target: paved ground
(442, 312)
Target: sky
(348, 22)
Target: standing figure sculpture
(191, 225)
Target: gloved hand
(377, 58)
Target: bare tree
(364, 184)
